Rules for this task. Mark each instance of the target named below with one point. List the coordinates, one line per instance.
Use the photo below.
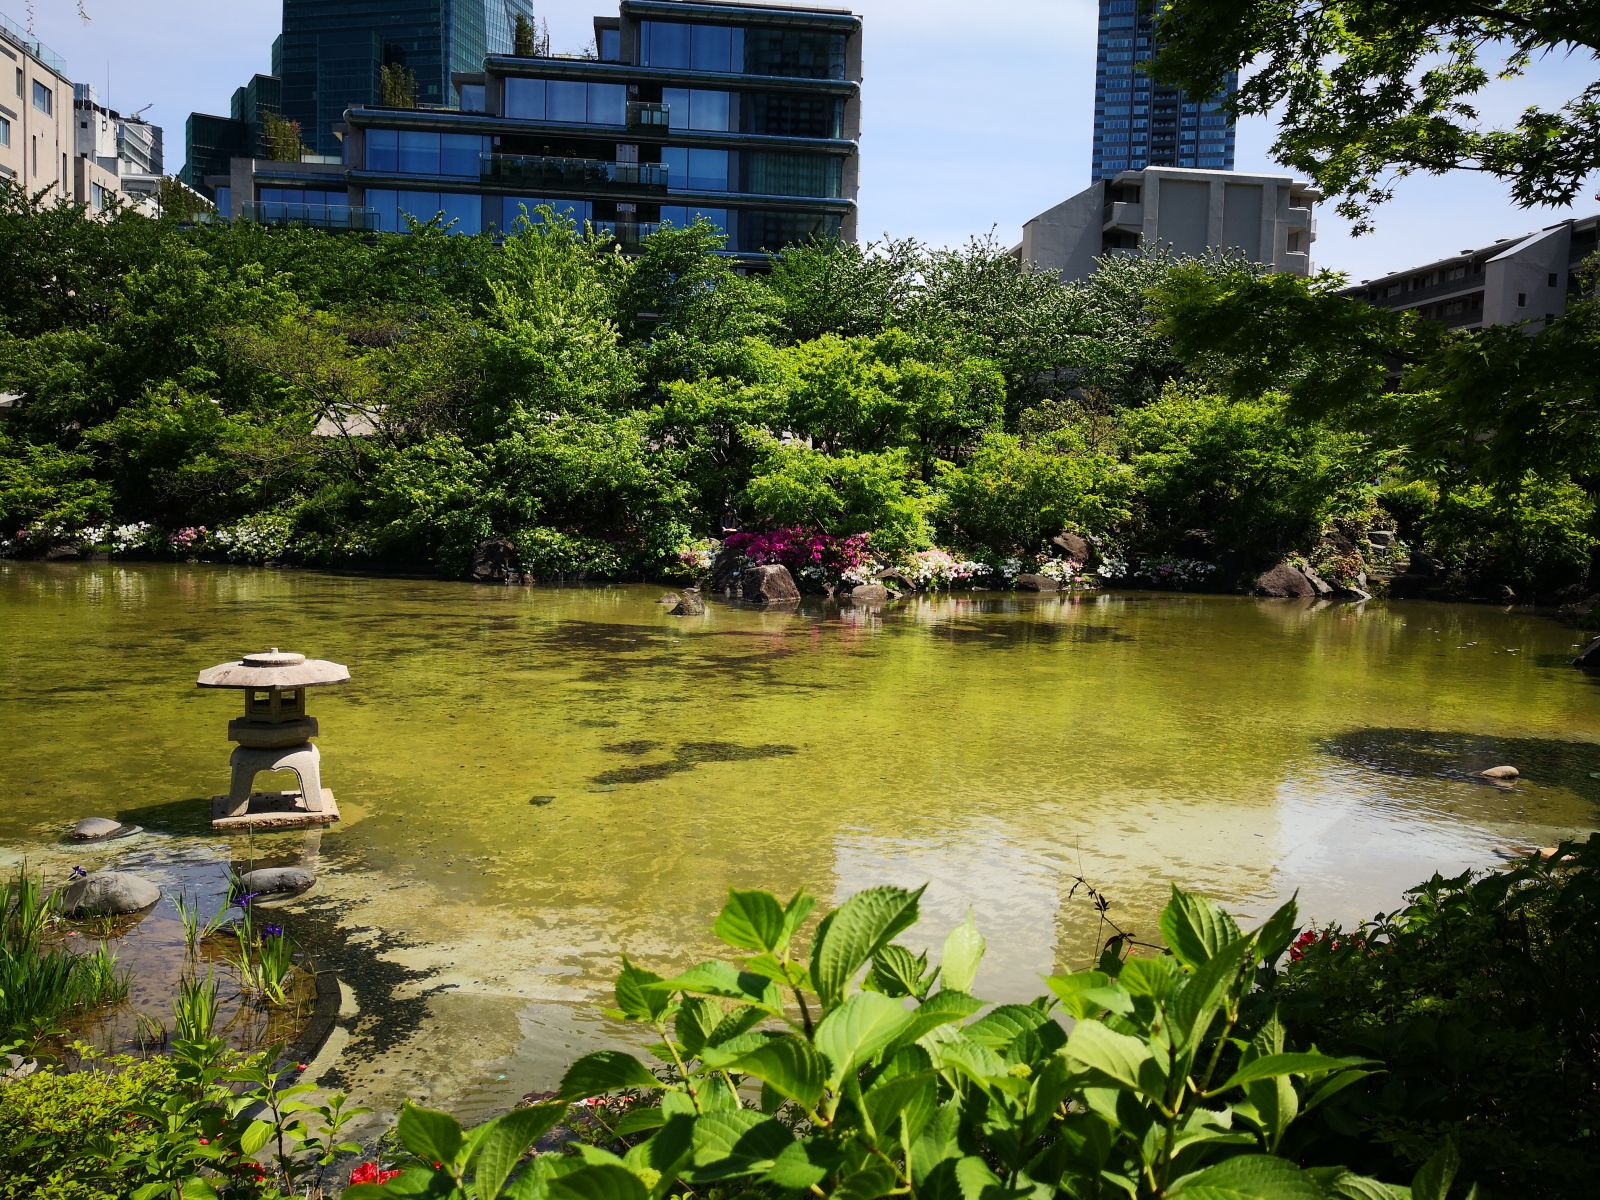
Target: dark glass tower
(329, 56)
(1137, 122)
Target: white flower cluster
(1063, 570)
(1168, 571)
(1112, 567)
(258, 538)
(699, 555)
(866, 572)
(940, 568)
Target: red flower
(369, 1172)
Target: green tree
(843, 494)
(530, 38)
(397, 86)
(178, 202)
(1365, 92)
(283, 138)
(831, 286)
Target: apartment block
(1526, 279)
(1270, 219)
(1139, 123)
(36, 134)
(745, 114)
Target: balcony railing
(13, 32)
(542, 171)
(629, 234)
(1124, 214)
(319, 216)
(646, 115)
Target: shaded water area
(533, 781)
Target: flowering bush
(814, 556)
(1064, 570)
(697, 556)
(1112, 567)
(259, 538)
(939, 568)
(186, 539)
(1169, 571)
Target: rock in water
(769, 583)
(276, 881)
(669, 600)
(868, 593)
(109, 894)
(1501, 773)
(690, 604)
(1037, 583)
(495, 561)
(1589, 660)
(94, 829)
(1287, 581)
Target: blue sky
(976, 116)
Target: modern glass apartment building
(1139, 123)
(329, 58)
(746, 114)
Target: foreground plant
(855, 1070)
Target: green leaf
(1347, 1185)
(507, 1141)
(638, 995)
(1001, 1026)
(601, 1072)
(430, 1135)
(1155, 977)
(1192, 1010)
(1273, 938)
(1270, 1065)
(1433, 1181)
(599, 1183)
(795, 912)
(716, 978)
(640, 1120)
(896, 971)
(751, 921)
(1196, 928)
(697, 1017)
(256, 1135)
(854, 931)
(787, 1063)
(737, 1142)
(1119, 1057)
(963, 951)
(795, 1170)
(941, 1008)
(914, 1098)
(1085, 993)
(857, 1029)
(1248, 1177)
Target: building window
(5, 132)
(1550, 280)
(697, 109)
(472, 98)
(19, 82)
(1522, 299)
(610, 45)
(43, 99)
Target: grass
(41, 983)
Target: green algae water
(534, 781)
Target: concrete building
(746, 114)
(1521, 279)
(1140, 123)
(36, 135)
(126, 149)
(1270, 219)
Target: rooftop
(14, 33)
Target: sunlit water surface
(533, 781)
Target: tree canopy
(1366, 92)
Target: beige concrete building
(1521, 279)
(36, 133)
(1270, 219)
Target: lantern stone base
(274, 810)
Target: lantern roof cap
(273, 669)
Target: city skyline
(1024, 91)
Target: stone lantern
(274, 735)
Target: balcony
(628, 234)
(19, 36)
(1298, 218)
(647, 117)
(318, 216)
(1125, 214)
(572, 174)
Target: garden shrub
(842, 494)
(1538, 537)
(46, 1119)
(1482, 997)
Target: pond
(533, 781)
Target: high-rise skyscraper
(329, 58)
(1139, 123)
